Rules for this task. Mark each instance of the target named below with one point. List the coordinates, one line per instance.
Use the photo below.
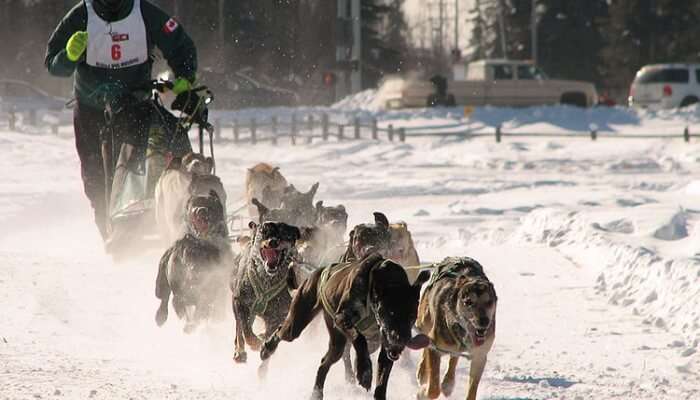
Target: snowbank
(663, 289)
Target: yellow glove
(76, 45)
(181, 85)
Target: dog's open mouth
(273, 258)
(478, 336)
(200, 221)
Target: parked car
(19, 96)
(240, 90)
(662, 86)
(495, 82)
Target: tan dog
(403, 250)
(458, 313)
(265, 183)
(182, 179)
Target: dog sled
(132, 167)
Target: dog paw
(189, 327)
(161, 316)
(423, 394)
(364, 375)
(447, 387)
(268, 348)
(317, 394)
(262, 371)
(240, 357)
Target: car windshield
(665, 75)
(502, 72)
(529, 72)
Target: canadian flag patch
(170, 26)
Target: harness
(367, 325)
(264, 292)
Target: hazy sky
(419, 12)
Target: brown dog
(458, 313)
(267, 184)
(402, 249)
(369, 303)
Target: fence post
(273, 140)
(253, 131)
(54, 129)
(498, 134)
(236, 132)
(402, 134)
(391, 132)
(217, 129)
(357, 128)
(375, 129)
(686, 135)
(594, 135)
(12, 120)
(293, 130)
(341, 132)
(324, 126)
(310, 127)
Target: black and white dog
(196, 269)
(261, 283)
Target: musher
(109, 45)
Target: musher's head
(112, 9)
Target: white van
(661, 86)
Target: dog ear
(381, 220)
(306, 232)
(312, 192)
(262, 209)
(423, 277)
(319, 205)
(349, 254)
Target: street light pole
(533, 27)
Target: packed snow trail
(76, 325)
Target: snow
(592, 247)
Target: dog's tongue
(477, 340)
(270, 256)
(418, 342)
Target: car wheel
(689, 101)
(575, 99)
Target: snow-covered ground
(594, 249)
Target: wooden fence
(320, 126)
(303, 130)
